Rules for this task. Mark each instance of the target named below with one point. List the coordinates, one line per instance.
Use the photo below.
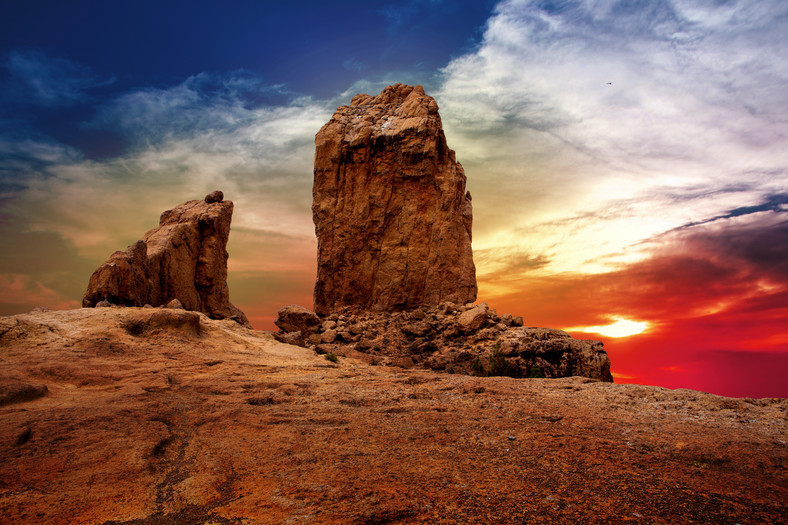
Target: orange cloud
(21, 293)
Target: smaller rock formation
(181, 264)
(214, 196)
(468, 339)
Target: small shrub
(500, 366)
(332, 357)
(535, 372)
(477, 368)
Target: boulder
(295, 318)
(392, 217)
(184, 259)
(214, 196)
(473, 319)
(175, 304)
(329, 336)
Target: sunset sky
(628, 160)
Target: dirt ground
(209, 422)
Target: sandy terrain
(200, 421)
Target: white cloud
(186, 142)
(697, 104)
(49, 81)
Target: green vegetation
(332, 357)
(477, 368)
(498, 365)
(535, 372)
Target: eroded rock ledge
(466, 339)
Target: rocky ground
(133, 415)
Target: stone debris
(468, 339)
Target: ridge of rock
(184, 259)
(392, 216)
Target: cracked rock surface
(141, 419)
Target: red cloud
(716, 293)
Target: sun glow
(619, 328)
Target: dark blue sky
(313, 47)
(62, 60)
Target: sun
(619, 328)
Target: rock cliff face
(185, 258)
(392, 217)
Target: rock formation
(184, 259)
(392, 217)
(468, 339)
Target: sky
(628, 160)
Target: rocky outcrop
(392, 217)
(467, 339)
(183, 261)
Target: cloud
(49, 82)
(184, 142)
(228, 132)
(565, 165)
(20, 293)
(690, 273)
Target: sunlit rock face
(184, 258)
(392, 217)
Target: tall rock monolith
(392, 216)
(184, 258)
